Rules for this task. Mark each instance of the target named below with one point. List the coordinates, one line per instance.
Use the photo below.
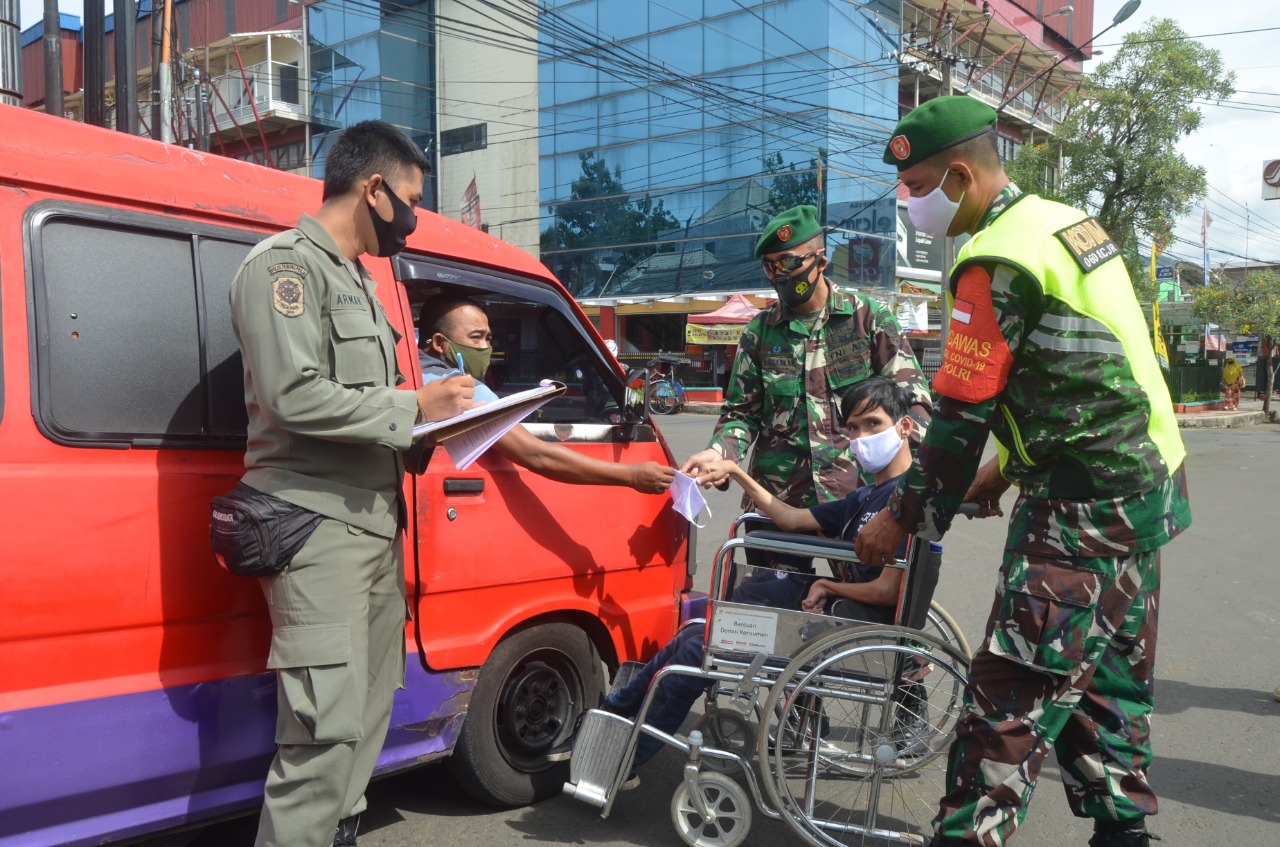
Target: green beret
(937, 125)
(793, 227)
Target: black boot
(1122, 834)
(346, 834)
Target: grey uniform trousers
(337, 646)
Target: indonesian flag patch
(977, 358)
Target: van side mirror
(636, 400)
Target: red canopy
(736, 310)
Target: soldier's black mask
(393, 234)
(796, 289)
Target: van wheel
(525, 704)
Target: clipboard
(468, 435)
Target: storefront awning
(724, 325)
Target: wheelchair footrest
(598, 751)
(626, 672)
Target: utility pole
(202, 113)
(95, 63)
(164, 72)
(126, 25)
(52, 59)
(10, 55)
(947, 61)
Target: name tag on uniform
(1088, 243)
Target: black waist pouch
(256, 534)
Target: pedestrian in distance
(328, 433)
(1232, 382)
(1048, 350)
(453, 331)
(793, 361)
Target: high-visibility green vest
(1085, 413)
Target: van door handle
(464, 486)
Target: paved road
(1217, 728)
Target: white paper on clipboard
(468, 435)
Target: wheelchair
(838, 727)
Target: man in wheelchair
(875, 412)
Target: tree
(789, 188)
(601, 219)
(1120, 138)
(1252, 306)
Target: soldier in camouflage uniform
(1048, 350)
(794, 361)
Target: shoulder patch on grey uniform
(288, 296)
(288, 267)
(1088, 243)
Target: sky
(1232, 143)
(1234, 139)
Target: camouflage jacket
(784, 394)
(1078, 448)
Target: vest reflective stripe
(1069, 344)
(1074, 324)
(1105, 320)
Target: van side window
(533, 342)
(536, 336)
(134, 332)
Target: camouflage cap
(937, 125)
(793, 227)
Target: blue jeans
(677, 693)
(674, 696)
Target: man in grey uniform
(327, 432)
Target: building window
(1008, 148)
(464, 139)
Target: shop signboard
(713, 333)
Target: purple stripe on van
(693, 604)
(79, 773)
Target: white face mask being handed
(687, 499)
(875, 452)
(933, 213)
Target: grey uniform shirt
(327, 426)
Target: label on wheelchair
(736, 628)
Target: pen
(461, 366)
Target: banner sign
(713, 333)
(471, 215)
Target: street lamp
(1126, 12)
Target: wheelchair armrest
(836, 546)
(746, 519)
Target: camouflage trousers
(1067, 665)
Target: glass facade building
(672, 131)
(372, 61)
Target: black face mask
(796, 289)
(393, 234)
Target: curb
(1207, 420)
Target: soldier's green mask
(475, 360)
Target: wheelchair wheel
(728, 817)
(853, 734)
(939, 623)
(662, 397)
(728, 730)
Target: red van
(133, 689)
